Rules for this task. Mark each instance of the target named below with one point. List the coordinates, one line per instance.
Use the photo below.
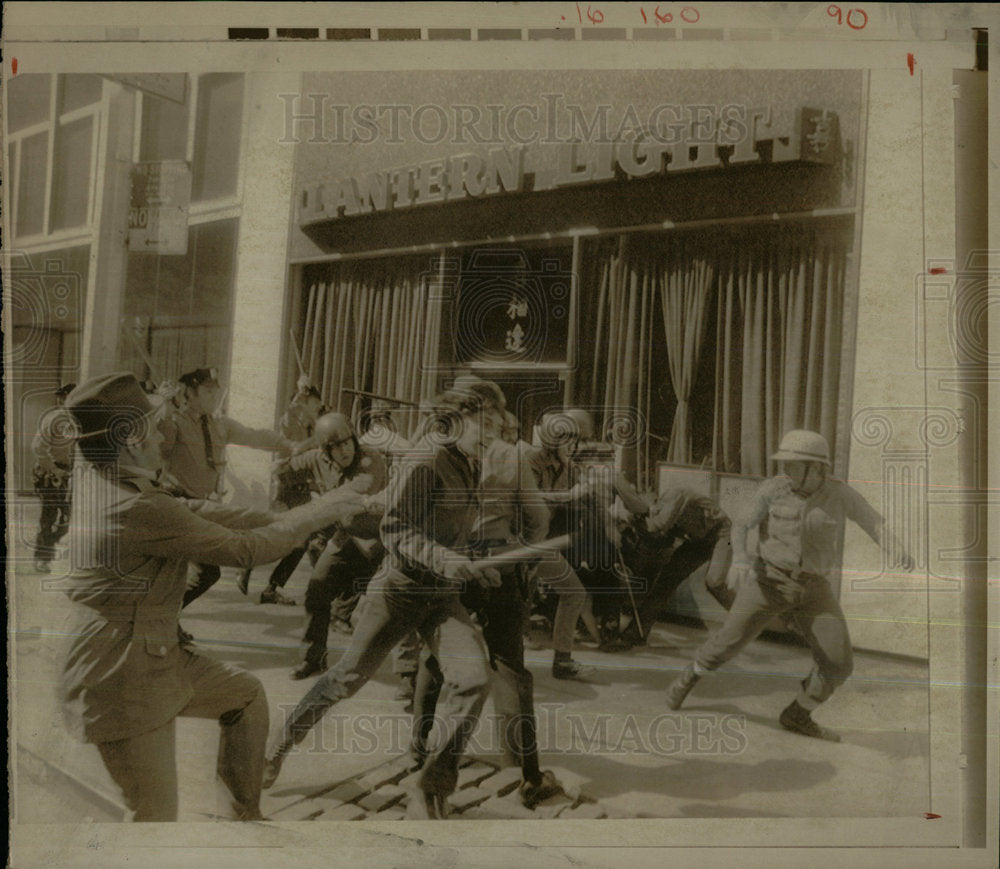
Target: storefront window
(33, 165)
(77, 91)
(217, 136)
(164, 129)
(64, 174)
(27, 100)
(177, 308)
(71, 176)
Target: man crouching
(128, 675)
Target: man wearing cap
(800, 516)
(194, 442)
(53, 448)
(127, 675)
(299, 420)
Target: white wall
(906, 422)
(261, 277)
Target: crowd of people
(435, 550)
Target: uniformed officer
(351, 554)
(53, 448)
(127, 675)
(194, 443)
(800, 516)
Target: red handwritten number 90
(837, 12)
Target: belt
(490, 547)
(796, 574)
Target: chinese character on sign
(819, 138)
(518, 307)
(515, 338)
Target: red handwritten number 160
(852, 16)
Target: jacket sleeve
(408, 511)
(257, 438)
(534, 515)
(166, 527)
(229, 516)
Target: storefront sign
(158, 211)
(704, 143)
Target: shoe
(546, 788)
(571, 670)
(272, 769)
(622, 643)
(42, 566)
(798, 720)
(422, 806)
(681, 687)
(308, 668)
(407, 686)
(243, 583)
(272, 595)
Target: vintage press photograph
(495, 444)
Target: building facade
(701, 259)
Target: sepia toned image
(536, 428)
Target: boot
(533, 793)
(681, 687)
(798, 720)
(303, 719)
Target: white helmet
(800, 445)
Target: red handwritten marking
(863, 24)
(931, 816)
(13, 66)
(938, 271)
(910, 62)
(852, 15)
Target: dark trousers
(500, 611)
(397, 604)
(811, 607)
(341, 573)
(53, 522)
(284, 569)
(201, 577)
(661, 579)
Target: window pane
(217, 136)
(27, 100)
(164, 129)
(71, 175)
(215, 254)
(76, 91)
(31, 184)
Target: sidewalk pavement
(614, 745)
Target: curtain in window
(775, 295)
(618, 289)
(686, 279)
(368, 326)
(779, 342)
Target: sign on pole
(158, 212)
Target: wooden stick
(525, 553)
